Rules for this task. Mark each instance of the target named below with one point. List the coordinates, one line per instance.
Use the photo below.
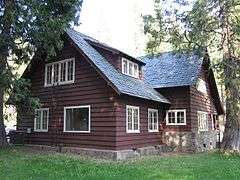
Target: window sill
(59, 84)
(131, 132)
(153, 131)
(76, 131)
(176, 124)
(40, 130)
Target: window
(130, 68)
(176, 117)
(132, 119)
(77, 119)
(61, 72)
(202, 121)
(201, 86)
(41, 120)
(152, 120)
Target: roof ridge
(125, 84)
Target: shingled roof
(171, 70)
(122, 83)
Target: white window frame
(176, 111)
(35, 126)
(207, 115)
(134, 74)
(153, 111)
(59, 73)
(77, 107)
(137, 130)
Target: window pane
(38, 119)
(171, 117)
(135, 119)
(180, 117)
(129, 118)
(44, 119)
(49, 74)
(70, 70)
(55, 73)
(130, 68)
(77, 119)
(63, 72)
(150, 120)
(135, 70)
(124, 66)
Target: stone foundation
(106, 154)
(206, 140)
(190, 141)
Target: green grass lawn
(19, 163)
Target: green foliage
(27, 27)
(17, 163)
(200, 25)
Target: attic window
(201, 86)
(130, 68)
(61, 72)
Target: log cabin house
(99, 101)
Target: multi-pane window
(77, 119)
(61, 72)
(176, 117)
(41, 120)
(152, 120)
(130, 68)
(202, 121)
(132, 118)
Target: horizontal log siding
(89, 88)
(134, 140)
(200, 101)
(180, 99)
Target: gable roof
(171, 70)
(95, 42)
(123, 84)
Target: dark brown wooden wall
(180, 99)
(89, 88)
(112, 58)
(134, 140)
(200, 101)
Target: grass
(19, 163)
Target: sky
(117, 23)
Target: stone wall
(206, 140)
(190, 141)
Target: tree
(27, 27)
(199, 25)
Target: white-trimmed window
(61, 72)
(130, 68)
(201, 86)
(77, 119)
(132, 119)
(41, 120)
(202, 121)
(152, 120)
(176, 117)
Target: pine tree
(27, 27)
(199, 25)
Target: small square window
(176, 117)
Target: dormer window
(61, 72)
(130, 68)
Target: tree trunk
(231, 136)
(3, 141)
(4, 53)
